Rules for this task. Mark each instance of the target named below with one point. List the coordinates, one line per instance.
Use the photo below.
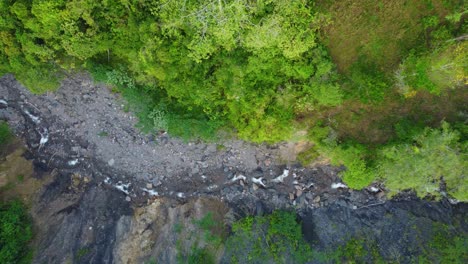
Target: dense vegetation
(15, 224)
(5, 134)
(273, 238)
(364, 79)
(15, 233)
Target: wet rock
(195, 170)
(298, 193)
(75, 180)
(3, 104)
(380, 195)
(316, 199)
(254, 186)
(241, 182)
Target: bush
(15, 233)
(5, 134)
(271, 238)
(247, 62)
(367, 82)
(354, 156)
(445, 247)
(436, 154)
(434, 71)
(155, 111)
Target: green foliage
(406, 129)
(357, 174)
(206, 239)
(5, 134)
(253, 64)
(445, 247)
(435, 155)
(367, 82)
(434, 70)
(276, 237)
(415, 69)
(154, 110)
(355, 250)
(15, 233)
(209, 227)
(308, 156)
(200, 256)
(81, 253)
(353, 156)
(103, 134)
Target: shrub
(5, 134)
(436, 154)
(445, 247)
(15, 232)
(434, 71)
(271, 238)
(367, 82)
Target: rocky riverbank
(115, 194)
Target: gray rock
(254, 186)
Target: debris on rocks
(72, 162)
(122, 187)
(151, 192)
(339, 185)
(281, 177)
(259, 181)
(298, 192)
(254, 186)
(239, 177)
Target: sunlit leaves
(436, 155)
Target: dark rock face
(399, 228)
(71, 223)
(98, 182)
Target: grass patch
(381, 31)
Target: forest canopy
(253, 63)
(369, 82)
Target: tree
(435, 155)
